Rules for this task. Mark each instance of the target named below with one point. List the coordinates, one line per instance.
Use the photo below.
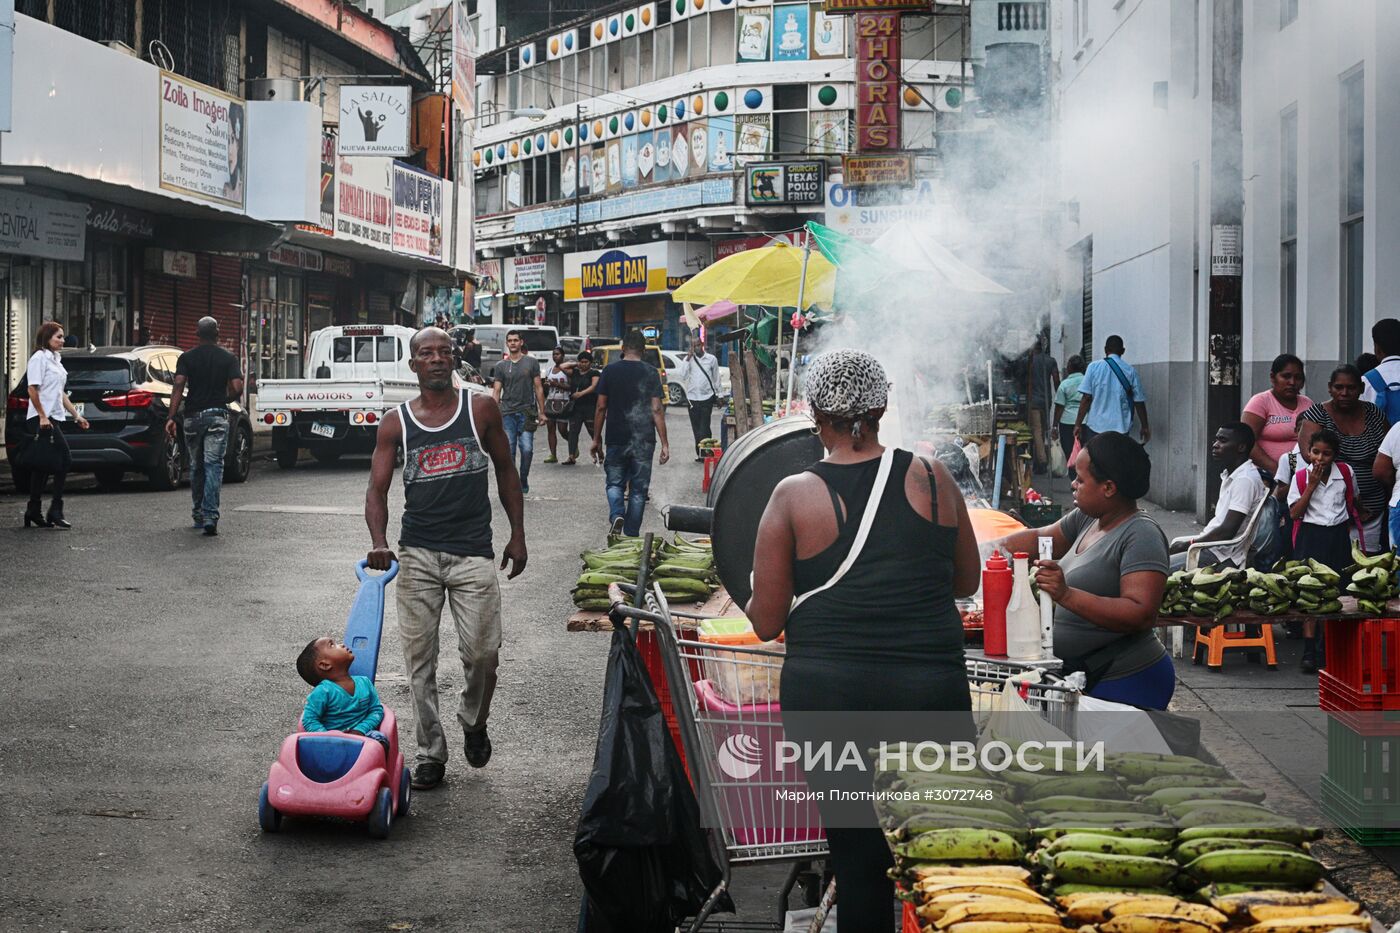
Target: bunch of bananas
(683, 568)
(1373, 580)
(1317, 586)
(1210, 592)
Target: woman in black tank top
(885, 635)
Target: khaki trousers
(469, 586)
(1039, 436)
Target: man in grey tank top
(448, 434)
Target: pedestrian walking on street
(699, 375)
(516, 384)
(1362, 427)
(1108, 396)
(557, 402)
(207, 378)
(445, 554)
(584, 382)
(1272, 414)
(1067, 408)
(1382, 383)
(867, 526)
(629, 405)
(49, 407)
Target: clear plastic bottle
(1022, 614)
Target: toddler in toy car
(338, 702)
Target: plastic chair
(1218, 638)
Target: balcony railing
(1021, 17)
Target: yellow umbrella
(770, 275)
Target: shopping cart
(1056, 703)
(724, 719)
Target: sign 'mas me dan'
(614, 273)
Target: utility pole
(1225, 323)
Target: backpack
(1273, 536)
(1301, 478)
(1387, 395)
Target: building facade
(1230, 172)
(226, 170)
(622, 151)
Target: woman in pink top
(1272, 414)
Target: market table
(718, 606)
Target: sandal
(570, 462)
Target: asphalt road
(149, 680)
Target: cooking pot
(751, 468)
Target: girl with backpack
(1322, 502)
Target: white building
(1319, 135)
(650, 113)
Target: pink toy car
(337, 774)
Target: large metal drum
(744, 481)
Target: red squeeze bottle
(996, 593)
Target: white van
(540, 341)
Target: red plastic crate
(1363, 666)
(909, 920)
(651, 659)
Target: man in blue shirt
(1110, 391)
(629, 404)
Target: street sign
(877, 82)
(873, 171)
(784, 183)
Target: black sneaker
(1309, 663)
(427, 775)
(211, 530)
(477, 748)
(616, 528)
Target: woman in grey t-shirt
(1107, 578)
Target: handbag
(1058, 464)
(45, 455)
(558, 407)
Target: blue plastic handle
(365, 625)
(362, 565)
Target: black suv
(124, 392)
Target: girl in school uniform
(1322, 502)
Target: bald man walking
(207, 378)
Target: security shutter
(1087, 260)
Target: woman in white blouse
(49, 402)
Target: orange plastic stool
(1218, 639)
(712, 456)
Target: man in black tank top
(447, 435)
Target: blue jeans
(1151, 688)
(1394, 526)
(628, 469)
(206, 443)
(517, 436)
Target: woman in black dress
(885, 635)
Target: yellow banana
(1002, 909)
(1202, 912)
(1258, 906)
(1019, 892)
(1094, 906)
(1003, 926)
(1155, 923)
(1308, 924)
(990, 872)
(936, 908)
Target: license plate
(323, 430)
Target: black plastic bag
(641, 852)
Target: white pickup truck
(358, 373)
